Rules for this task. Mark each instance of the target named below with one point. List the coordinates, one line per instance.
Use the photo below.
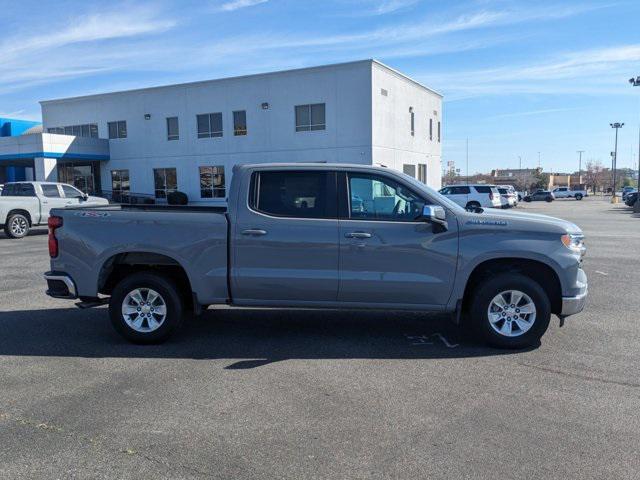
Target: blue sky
(519, 77)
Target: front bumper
(573, 305)
(60, 285)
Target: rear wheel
(548, 199)
(17, 226)
(510, 311)
(527, 199)
(578, 196)
(146, 308)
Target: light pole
(580, 152)
(635, 82)
(520, 172)
(614, 160)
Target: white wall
(393, 144)
(345, 89)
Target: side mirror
(435, 215)
(83, 197)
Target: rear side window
(483, 189)
(50, 191)
(459, 190)
(297, 194)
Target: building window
(431, 129)
(422, 172)
(165, 181)
(240, 122)
(212, 182)
(120, 185)
(117, 129)
(209, 125)
(438, 132)
(88, 130)
(409, 169)
(413, 121)
(173, 130)
(310, 117)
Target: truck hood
(520, 221)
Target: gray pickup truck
(320, 236)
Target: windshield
(433, 195)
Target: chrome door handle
(358, 235)
(254, 231)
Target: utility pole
(635, 82)
(614, 160)
(580, 152)
(467, 160)
(538, 159)
(520, 172)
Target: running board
(94, 302)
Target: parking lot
(269, 394)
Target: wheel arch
(123, 264)
(20, 211)
(539, 271)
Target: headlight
(574, 242)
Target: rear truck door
(50, 197)
(285, 240)
(387, 257)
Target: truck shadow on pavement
(248, 338)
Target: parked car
(626, 191)
(403, 246)
(566, 192)
(508, 197)
(631, 199)
(473, 196)
(25, 204)
(540, 195)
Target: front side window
(240, 122)
(173, 129)
(209, 125)
(212, 182)
(70, 192)
(117, 129)
(120, 184)
(310, 117)
(165, 181)
(50, 191)
(374, 197)
(299, 194)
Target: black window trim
(254, 189)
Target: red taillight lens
(53, 223)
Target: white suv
(473, 196)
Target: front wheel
(548, 199)
(146, 308)
(17, 226)
(510, 310)
(527, 199)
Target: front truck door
(386, 256)
(285, 242)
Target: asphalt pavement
(266, 394)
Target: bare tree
(595, 175)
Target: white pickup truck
(566, 192)
(25, 204)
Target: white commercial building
(189, 136)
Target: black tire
(481, 300)
(548, 199)
(17, 226)
(169, 294)
(527, 199)
(472, 205)
(578, 196)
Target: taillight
(53, 223)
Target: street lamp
(580, 152)
(614, 160)
(635, 82)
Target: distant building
(11, 127)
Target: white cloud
(238, 4)
(391, 6)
